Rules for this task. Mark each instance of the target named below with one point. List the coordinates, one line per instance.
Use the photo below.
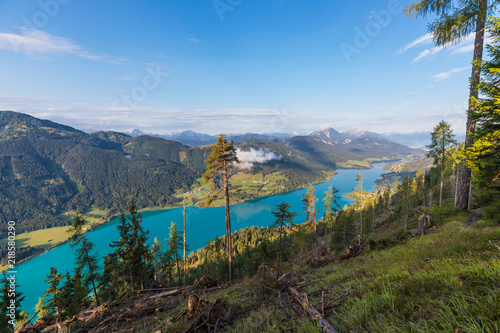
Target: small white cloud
(423, 40)
(445, 75)
(194, 40)
(128, 78)
(33, 43)
(262, 155)
(427, 53)
(459, 45)
(464, 49)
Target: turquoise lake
(203, 224)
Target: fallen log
(23, 325)
(312, 311)
(167, 293)
(155, 289)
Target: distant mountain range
(194, 139)
(414, 140)
(46, 168)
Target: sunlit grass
(437, 283)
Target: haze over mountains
(193, 139)
(47, 168)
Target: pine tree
(140, 255)
(112, 277)
(284, 218)
(420, 189)
(7, 323)
(219, 165)
(79, 295)
(332, 206)
(359, 189)
(343, 230)
(65, 295)
(84, 256)
(457, 19)
(53, 291)
(167, 266)
(441, 139)
(483, 158)
(156, 251)
(309, 201)
(387, 198)
(174, 246)
(405, 193)
(123, 251)
(41, 308)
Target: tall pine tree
(284, 218)
(484, 155)
(441, 139)
(219, 164)
(332, 205)
(85, 259)
(174, 246)
(455, 20)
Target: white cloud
(262, 155)
(423, 40)
(194, 40)
(445, 75)
(34, 43)
(463, 49)
(461, 45)
(427, 53)
(469, 47)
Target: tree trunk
(90, 271)
(184, 202)
(464, 189)
(457, 174)
(423, 188)
(130, 271)
(407, 205)
(470, 196)
(178, 268)
(279, 249)
(206, 260)
(441, 183)
(361, 217)
(314, 221)
(361, 210)
(156, 267)
(373, 216)
(228, 221)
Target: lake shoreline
(110, 218)
(97, 225)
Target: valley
(47, 169)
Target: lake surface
(203, 224)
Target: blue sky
(229, 66)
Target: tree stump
(424, 223)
